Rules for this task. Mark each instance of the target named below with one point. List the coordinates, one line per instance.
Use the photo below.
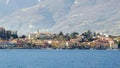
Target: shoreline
(56, 49)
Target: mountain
(61, 15)
(9, 6)
(41, 16)
(97, 15)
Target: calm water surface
(26, 58)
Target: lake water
(28, 58)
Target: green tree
(94, 34)
(23, 36)
(67, 37)
(89, 34)
(74, 35)
(61, 34)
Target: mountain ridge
(67, 16)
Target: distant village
(87, 40)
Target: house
(7, 45)
(112, 44)
(39, 36)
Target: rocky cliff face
(64, 15)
